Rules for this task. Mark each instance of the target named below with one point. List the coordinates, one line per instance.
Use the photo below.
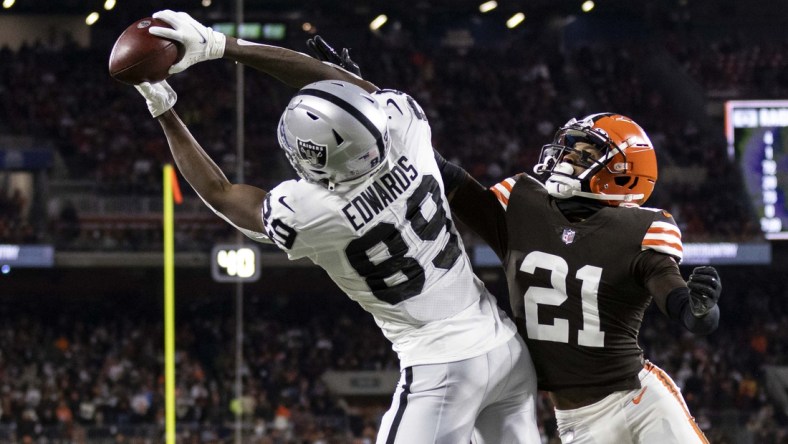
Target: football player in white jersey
(369, 208)
(583, 261)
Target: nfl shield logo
(568, 236)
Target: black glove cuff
(678, 308)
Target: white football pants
(443, 403)
(653, 414)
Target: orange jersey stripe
(658, 242)
(506, 184)
(658, 230)
(504, 200)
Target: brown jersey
(573, 290)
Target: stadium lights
(587, 6)
(109, 4)
(378, 22)
(92, 18)
(488, 6)
(515, 20)
(8, 3)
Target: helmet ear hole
(622, 180)
(338, 138)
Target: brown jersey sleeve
(659, 274)
(478, 208)
(661, 277)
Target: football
(138, 56)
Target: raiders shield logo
(568, 236)
(311, 152)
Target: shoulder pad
(279, 215)
(397, 102)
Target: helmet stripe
(350, 109)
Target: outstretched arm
(292, 68)
(238, 204)
(474, 205)
(201, 43)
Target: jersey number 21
(590, 335)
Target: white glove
(159, 97)
(200, 42)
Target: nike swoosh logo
(392, 102)
(282, 201)
(636, 399)
(199, 33)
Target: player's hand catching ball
(159, 97)
(200, 42)
(705, 288)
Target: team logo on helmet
(311, 152)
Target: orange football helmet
(624, 172)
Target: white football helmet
(334, 131)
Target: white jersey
(390, 244)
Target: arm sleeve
(660, 274)
(474, 205)
(679, 310)
(292, 68)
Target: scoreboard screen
(757, 133)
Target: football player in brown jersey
(583, 261)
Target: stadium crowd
(71, 371)
(490, 112)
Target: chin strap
(624, 198)
(563, 186)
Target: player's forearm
(238, 204)
(661, 276)
(197, 167)
(678, 309)
(473, 204)
(290, 67)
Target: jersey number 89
(376, 273)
